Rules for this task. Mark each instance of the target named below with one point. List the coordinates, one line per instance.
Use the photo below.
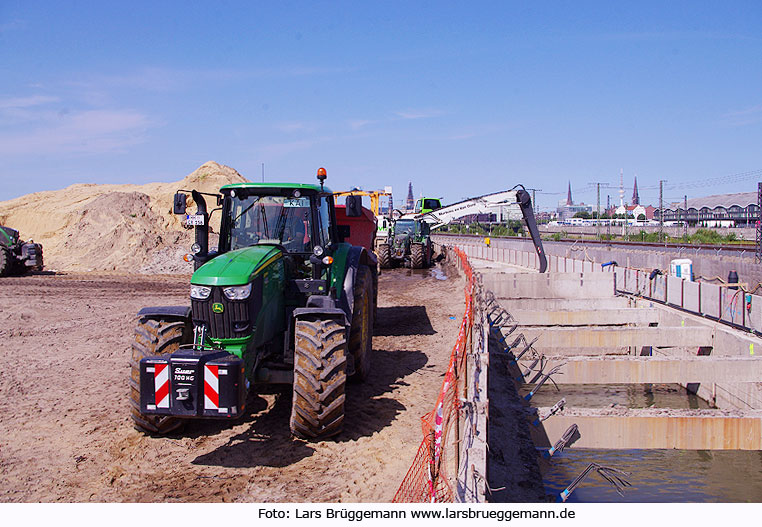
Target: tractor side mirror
(343, 232)
(180, 200)
(354, 206)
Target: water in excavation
(663, 476)
(659, 476)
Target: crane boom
(513, 199)
(479, 205)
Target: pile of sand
(125, 228)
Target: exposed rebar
(553, 411)
(563, 441)
(610, 474)
(517, 358)
(542, 381)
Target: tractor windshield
(270, 219)
(404, 226)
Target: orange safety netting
(426, 480)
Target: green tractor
(408, 243)
(283, 300)
(16, 256)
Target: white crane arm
(479, 205)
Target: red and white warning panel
(161, 385)
(193, 383)
(211, 388)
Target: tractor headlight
(195, 248)
(238, 292)
(318, 251)
(200, 292)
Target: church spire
(635, 196)
(568, 196)
(410, 204)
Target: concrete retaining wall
(718, 302)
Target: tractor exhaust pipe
(202, 231)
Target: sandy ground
(66, 435)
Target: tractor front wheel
(416, 255)
(6, 261)
(153, 338)
(384, 256)
(320, 363)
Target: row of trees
(700, 237)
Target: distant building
(478, 218)
(544, 217)
(719, 210)
(410, 203)
(567, 208)
(634, 211)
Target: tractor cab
(298, 220)
(426, 205)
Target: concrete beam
(639, 370)
(597, 317)
(617, 337)
(551, 285)
(644, 428)
(563, 304)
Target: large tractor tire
(384, 256)
(6, 261)
(154, 338)
(416, 255)
(361, 332)
(320, 378)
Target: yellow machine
(374, 195)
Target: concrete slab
(592, 317)
(583, 352)
(647, 428)
(488, 267)
(639, 370)
(615, 337)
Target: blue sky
(461, 98)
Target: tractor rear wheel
(416, 255)
(154, 338)
(384, 256)
(320, 377)
(361, 332)
(6, 261)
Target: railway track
(734, 249)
